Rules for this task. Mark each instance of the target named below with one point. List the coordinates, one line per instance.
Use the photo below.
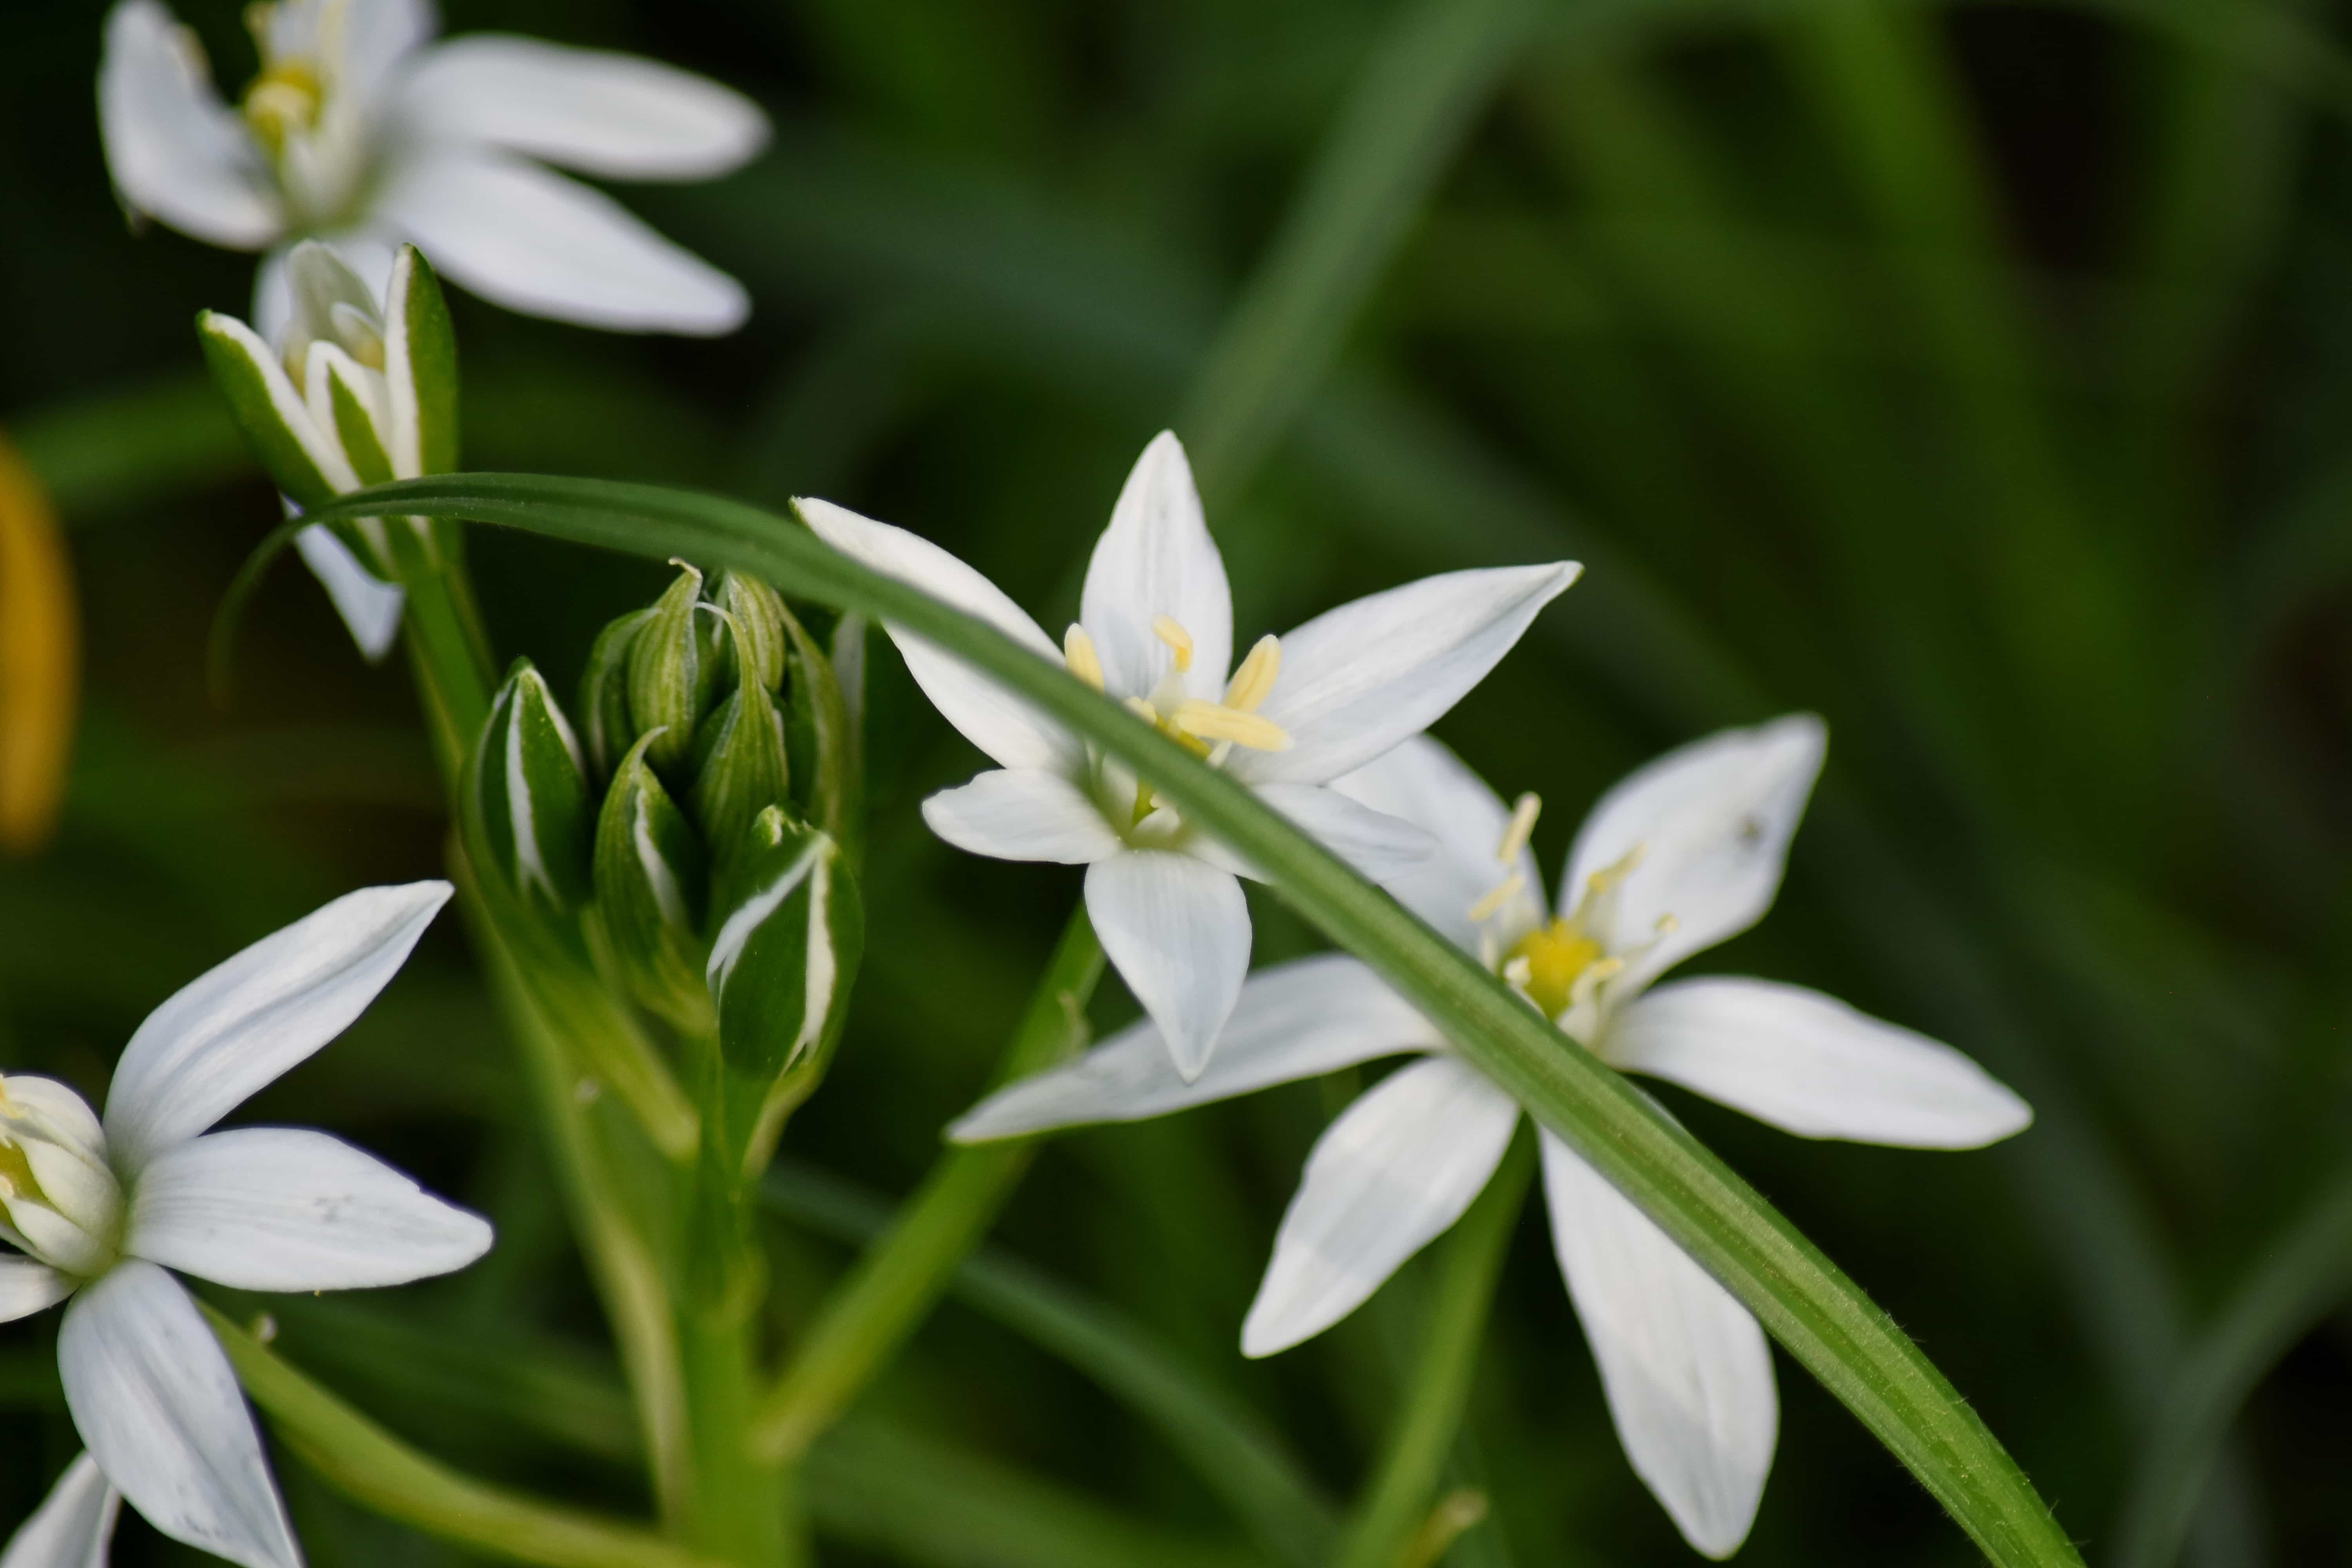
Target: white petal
(175, 149)
(1380, 845)
(369, 606)
(1396, 1169)
(242, 1023)
(614, 115)
(281, 1208)
(1294, 1020)
(526, 238)
(73, 1525)
(1024, 814)
(155, 1402)
(1422, 782)
(1811, 1065)
(1177, 931)
(1358, 679)
(991, 717)
(1157, 559)
(1713, 821)
(1686, 1370)
(27, 1287)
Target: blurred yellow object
(40, 658)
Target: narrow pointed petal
(1294, 1020)
(153, 1397)
(526, 238)
(1026, 813)
(240, 1025)
(26, 1286)
(1157, 559)
(1358, 679)
(617, 116)
(999, 724)
(369, 606)
(73, 1526)
(1712, 822)
(1380, 845)
(1686, 1370)
(1390, 1175)
(1812, 1066)
(175, 149)
(1422, 782)
(282, 1208)
(1177, 931)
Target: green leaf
(1798, 1295)
(1230, 1448)
(265, 407)
(420, 361)
(367, 1464)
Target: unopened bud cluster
(665, 828)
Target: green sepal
(670, 678)
(604, 692)
(651, 879)
(528, 804)
(821, 738)
(420, 361)
(783, 959)
(267, 409)
(755, 621)
(740, 769)
(355, 427)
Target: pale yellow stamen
(1522, 827)
(1608, 877)
(1078, 653)
(1518, 972)
(1253, 683)
(1216, 721)
(1142, 708)
(1179, 640)
(1502, 893)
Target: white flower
(1682, 854)
(362, 131)
(1155, 630)
(101, 1209)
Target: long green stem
(1390, 1514)
(899, 1278)
(370, 1466)
(1797, 1293)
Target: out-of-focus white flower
(362, 131)
(1684, 854)
(99, 1209)
(1155, 631)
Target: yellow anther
(1668, 925)
(1142, 708)
(284, 98)
(1522, 827)
(1179, 640)
(1518, 971)
(1078, 653)
(1502, 893)
(1216, 721)
(1253, 683)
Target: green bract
(527, 795)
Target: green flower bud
(650, 874)
(740, 769)
(780, 968)
(528, 805)
(604, 692)
(671, 674)
(755, 615)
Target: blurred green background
(1973, 375)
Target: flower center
(1547, 962)
(1562, 964)
(57, 1193)
(1210, 730)
(284, 101)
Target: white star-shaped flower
(1684, 854)
(361, 131)
(99, 1209)
(1155, 631)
